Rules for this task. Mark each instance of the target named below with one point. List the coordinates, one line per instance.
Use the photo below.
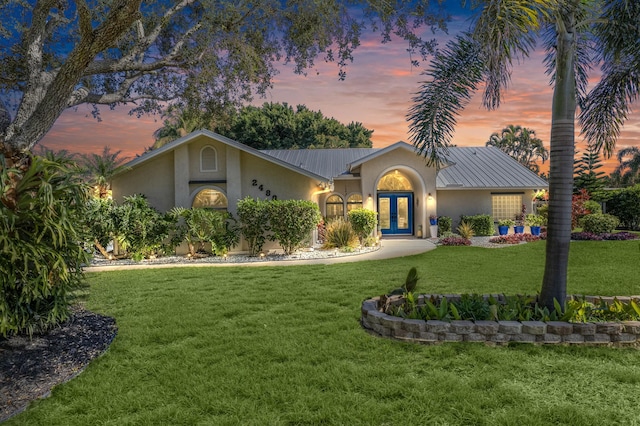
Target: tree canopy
(280, 126)
(522, 144)
(60, 54)
(578, 36)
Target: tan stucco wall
(153, 178)
(280, 181)
(454, 203)
(423, 180)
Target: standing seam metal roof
(470, 168)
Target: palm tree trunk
(554, 284)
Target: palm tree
(180, 121)
(578, 35)
(100, 169)
(522, 144)
(629, 167)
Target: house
(204, 169)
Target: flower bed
(624, 333)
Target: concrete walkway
(389, 248)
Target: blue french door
(395, 212)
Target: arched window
(334, 207)
(354, 202)
(210, 199)
(208, 159)
(395, 181)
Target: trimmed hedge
(599, 223)
(482, 224)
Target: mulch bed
(31, 367)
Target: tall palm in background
(99, 169)
(578, 35)
(522, 144)
(629, 167)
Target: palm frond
(506, 30)
(607, 106)
(455, 74)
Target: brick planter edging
(624, 333)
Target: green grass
(283, 346)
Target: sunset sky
(377, 92)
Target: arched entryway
(395, 204)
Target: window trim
(327, 203)
(212, 188)
(215, 159)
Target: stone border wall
(498, 332)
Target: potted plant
(519, 226)
(433, 219)
(534, 221)
(504, 225)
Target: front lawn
(283, 346)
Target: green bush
(444, 225)
(140, 229)
(363, 222)
(599, 223)
(534, 220)
(41, 243)
(291, 222)
(340, 234)
(543, 211)
(254, 223)
(207, 226)
(625, 205)
(593, 207)
(481, 224)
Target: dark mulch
(30, 368)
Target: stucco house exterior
(205, 169)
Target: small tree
(363, 222)
(291, 222)
(254, 223)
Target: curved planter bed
(625, 333)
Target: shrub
(620, 236)
(578, 209)
(534, 220)
(207, 226)
(506, 222)
(254, 223)
(41, 210)
(481, 224)
(465, 230)
(543, 211)
(593, 207)
(514, 239)
(291, 222)
(444, 225)
(455, 240)
(363, 222)
(340, 234)
(599, 223)
(585, 236)
(99, 223)
(625, 205)
(140, 229)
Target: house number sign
(254, 182)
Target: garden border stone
(625, 333)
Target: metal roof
(329, 163)
(470, 167)
(485, 167)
